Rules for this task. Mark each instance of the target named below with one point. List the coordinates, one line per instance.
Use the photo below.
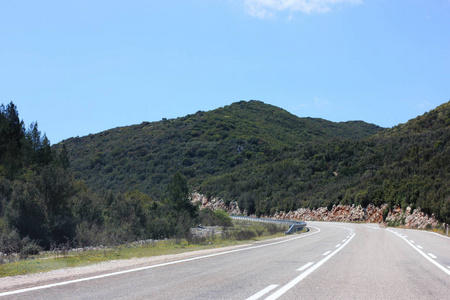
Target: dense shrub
(242, 235)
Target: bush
(245, 235)
(9, 241)
(273, 228)
(221, 218)
(29, 247)
(90, 235)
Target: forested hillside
(269, 160)
(203, 145)
(408, 165)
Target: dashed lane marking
(263, 292)
(306, 266)
(428, 257)
(326, 253)
(281, 291)
(432, 255)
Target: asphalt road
(332, 261)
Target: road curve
(332, 261)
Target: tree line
(42, 205)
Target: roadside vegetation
(238, 232)
(43, 206)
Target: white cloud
(268, 8)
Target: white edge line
(306, 266)
(442, 236)
(263, 292)
(423, 254)
(150, 267)
(302, 276)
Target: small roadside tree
(185, 212)
(179, 196)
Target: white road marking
(338, 245)
(305, 266)
(263, 292)
(326, 253)
(302, 276)
(152, 266)
(344, 240)
(442, 236)
(412, 241)
(371, 227)
(420, 247)
(432, 255)
(423, 254)
(448, 267)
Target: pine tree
(11, 137)
(179, 195)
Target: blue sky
(80, 67)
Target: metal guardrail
(295, 225)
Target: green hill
(270, 160)
(143, 157)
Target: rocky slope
(414, 219)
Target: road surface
(331, 261)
